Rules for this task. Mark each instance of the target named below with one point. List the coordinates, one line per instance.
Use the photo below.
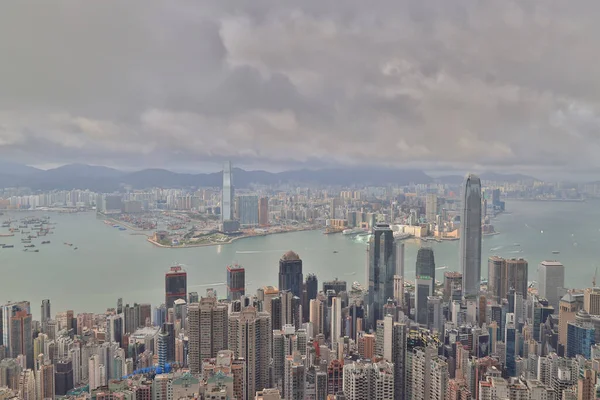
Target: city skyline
(308, 200)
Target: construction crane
(594, 279)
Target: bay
(110, 263)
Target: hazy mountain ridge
(105, 179)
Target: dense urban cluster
(457, 339)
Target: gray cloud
(461, 84)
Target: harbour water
(110, 263)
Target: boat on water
(36, 251)
(75, 248)
(46, 242)
(555, 252)
(29, 245)
(8, 246)
(6, 234)
(122, 229)
(335, 252)
(402, 235)
(351, 232)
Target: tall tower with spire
(470, 236)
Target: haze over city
(299, 200)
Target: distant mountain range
(104, 179)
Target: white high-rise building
(365, 380)
(470, 236)
(551, 278)
(27, 385)
(207, 330)
(431, 205)
(227, 194)
(94, 377)
(399, 276)
(336, 321)
(250, 337)
(295, 377)
(429, 374)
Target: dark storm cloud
(457, 84)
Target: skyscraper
(227, 194)
(425, 266)
(6, 313)
(517, 275)
(428, 378)
(452, 286)
(399, 277)
(250, 338)
(46, 381)
(247, 208)
(64, 376)
(551, 278)
(394, 351)
(424, 283)
(381, 268)
(311, 289)
(510, 337)
(18, 332)
(431, 205)
(366, 380)
(591, 300)
(580, 336)
(263, 211)
(290, 273)
(236, 282)
(336, 322)
(207, 331)
(423, 290)
(175, 285)
(295, 377)
(27, 385)
(497, 278)
(470, 236)
(163, 343)
(45, 313)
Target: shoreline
(125, 224)
(230, 241)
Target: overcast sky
(503, 85)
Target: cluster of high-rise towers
(391, 339)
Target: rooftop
(290, 256)
(549, 263)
